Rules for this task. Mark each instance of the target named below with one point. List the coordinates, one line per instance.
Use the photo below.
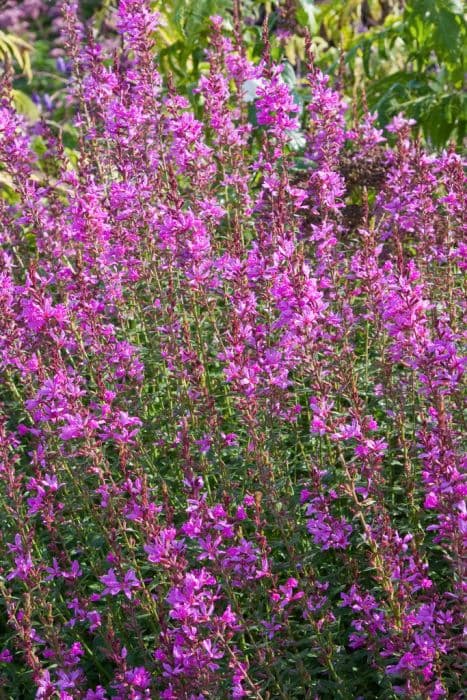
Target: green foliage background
(402, 56)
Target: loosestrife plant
(231, 390)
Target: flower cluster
(231, 396)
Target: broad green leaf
(447, 34)
(25, 105)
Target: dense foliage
(231, 397)
(406, 55)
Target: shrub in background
(407, 56)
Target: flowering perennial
(230, 443)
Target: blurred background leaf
(15, 50)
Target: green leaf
(303, 164)
(6, 180)
(288, 74)
(13, 47)
(454, 6)
(447, 34)
(306, 15)
(25, 106)
(296, 140)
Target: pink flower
(113, 586)
(6, 656)
(431, 500)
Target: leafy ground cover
(231, 354)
